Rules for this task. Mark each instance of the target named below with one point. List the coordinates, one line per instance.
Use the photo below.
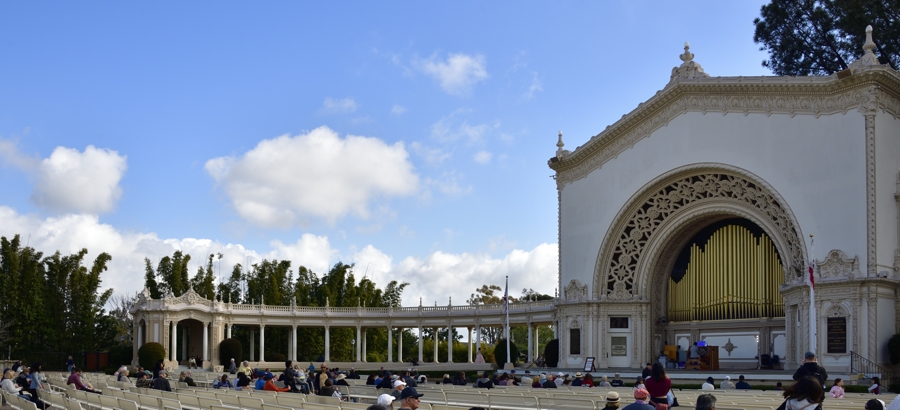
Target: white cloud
(450, 128)
(483, 157)
(536, 85)
(441, 275)
(447, 184)
(69, 180)
(457, 74)
(434, 277)
(286, 180)
(335, 106)
(397, 109)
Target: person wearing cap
(875, 404)
(709, 385)
(409, 399)
(484, 381)
(706, 402)
(578, 379)
(560, 378)
(399, 385)
(726, 384)
(811, 367)
(161, 382)
(612, 401)
(641, 397)
(386, 400)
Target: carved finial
(868, 58)
(420, 301)
(262, 300)
(689, 69)
(559, 146)
(327, 302)
(451, 301)
(687, 55)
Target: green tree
(202, 282)
(150, 280)
(821, 37)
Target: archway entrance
(673, 219)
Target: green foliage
(821, 37)
(121, 354)
(551, 353)
(230, 349)
(500, 352)
(150, 353)
(894, 348)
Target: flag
(812, 279)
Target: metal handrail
(868, 368)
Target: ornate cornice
(869, 90)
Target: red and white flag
(812, 276)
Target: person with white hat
(578, 380)
(560, 378)
(386, 400)
(612, 401)
(399, 385)
(726, 384)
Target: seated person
(161, 382)
(260, 380)
(328, 390)
(75, 380)
(143, 380)
(223, 383)
(192, 364)
(270, 385)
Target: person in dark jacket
(485, 381)
(550, 383)
(161, 382)
(811, 368)
(460, 379)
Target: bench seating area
(437, 397)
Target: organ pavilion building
(688, 220)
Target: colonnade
(360, 343)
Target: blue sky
(408, 138)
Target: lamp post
(353, 346)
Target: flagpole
(812, 295)
(506, 308)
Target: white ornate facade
(793, 155)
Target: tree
(821, 37)
(489, 295)
(121, 304)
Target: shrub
(120, 355)
(551, 353)
(894, 348)
(150, 353)
(500, 352)
(230, 349)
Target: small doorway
(619, 346)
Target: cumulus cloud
(286, 180)
(483, 157)
(397, 109)
(442, 275)
(457, 74)
(69, 180)
(342, 106)
(433, 277)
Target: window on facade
(574, 341)
(618, 323)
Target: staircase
(861, 365)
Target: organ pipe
(735, 276)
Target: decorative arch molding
(575, 290)
(837, 310)
(669, 204)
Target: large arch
(644, 240)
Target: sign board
(589, 364)
(837, 335)
(618, 346)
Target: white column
(528, 358)
(537, 341)
(400, 358)
(420, 343)
(390, 346)
(449, 343)
(364, 346)
(205, 342)
(252, 345)
(262, 343)
(156, 332)
(435, 334)
(140, 337)
(294, 344)
(477, 337)
(470, 343)
(174, 341)
(327, 344)
(228, 330)
(359, 343)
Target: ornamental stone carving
(190, 298)
(838, 265)
(575, 291)
(837, 310)
(618, 268)
(689, 69)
